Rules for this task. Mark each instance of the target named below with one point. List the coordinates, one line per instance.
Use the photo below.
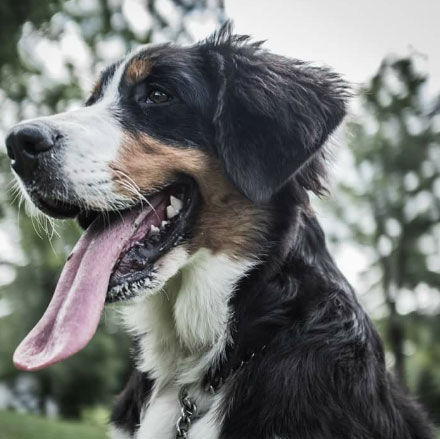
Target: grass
(17, 426)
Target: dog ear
(272, 114)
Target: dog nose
(25, 143)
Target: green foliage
(19, 426)
(396, 150)
(12, 16)
(395, 213)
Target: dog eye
(158, 97)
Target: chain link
(188, 410)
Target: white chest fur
(182, 329)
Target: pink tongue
(73, 314)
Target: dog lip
(56, 208)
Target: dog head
(186, 145)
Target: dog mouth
(163, 221)
(166, 225)
(113, 260)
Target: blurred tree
(49, 53)
(395, 208)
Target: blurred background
(382, 218)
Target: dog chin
(166, 270)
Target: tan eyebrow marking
(137, 70)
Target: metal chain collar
(188, 408)
(188, 411)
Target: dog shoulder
(322, 378)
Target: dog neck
(184, 328)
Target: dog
(190, 170)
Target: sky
(352, 36)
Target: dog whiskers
(128, 183)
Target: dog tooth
(154, 230)
(171, 212)
(163, 224)
(176, 203)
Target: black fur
(127, 409)
(272, 115)
(322, 374)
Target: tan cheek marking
(152, 165)
(228, 221)
(137, 70)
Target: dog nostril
(29, 147)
